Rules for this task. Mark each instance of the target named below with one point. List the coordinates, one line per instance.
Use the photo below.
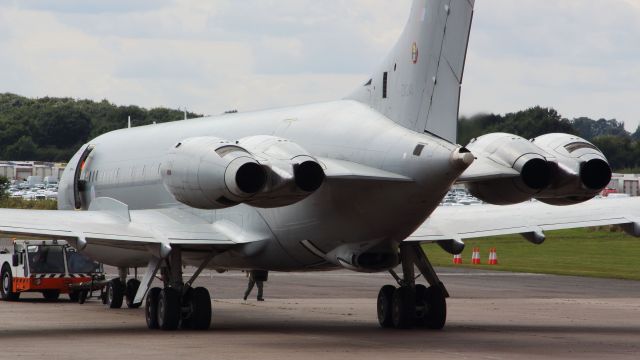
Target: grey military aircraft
(354, 183)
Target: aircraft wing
(109, 222)
(529, 219)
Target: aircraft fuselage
(341, 217)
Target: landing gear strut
(412, 304)
(177, 304)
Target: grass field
(582, 252)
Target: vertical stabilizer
(418, 84)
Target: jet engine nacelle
(211, 173)
(519, 154)
(293, 174)
(262, 171)
(582, 170)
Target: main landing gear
(176, 305)
(410, 304)
(120, 290)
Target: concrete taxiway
(492, 315)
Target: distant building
(625, 184)
(22, 170)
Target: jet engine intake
(211, 173)
(293, 174)
(308, 175)
(582, 171)
(262, 171)
(519, 154)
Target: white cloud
(579, 56)
(85, 6)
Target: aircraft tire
(421, 305)
(200, 303)
(385, 306)
(6, 290)
(151, 308)
(51, 295)
(169, 309)
(436, 315)
(185, 323)
(404, 307)
(115, 293)
(130, 293)
(83, 296)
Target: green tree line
(621, 148)
(52, 129)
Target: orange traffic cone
(493, 257)
(475, 256)
(457, 259)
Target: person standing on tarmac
(256, 277)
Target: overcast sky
(581, 57)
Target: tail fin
(418, 84)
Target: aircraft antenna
(129, 122)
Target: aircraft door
(80, 186)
